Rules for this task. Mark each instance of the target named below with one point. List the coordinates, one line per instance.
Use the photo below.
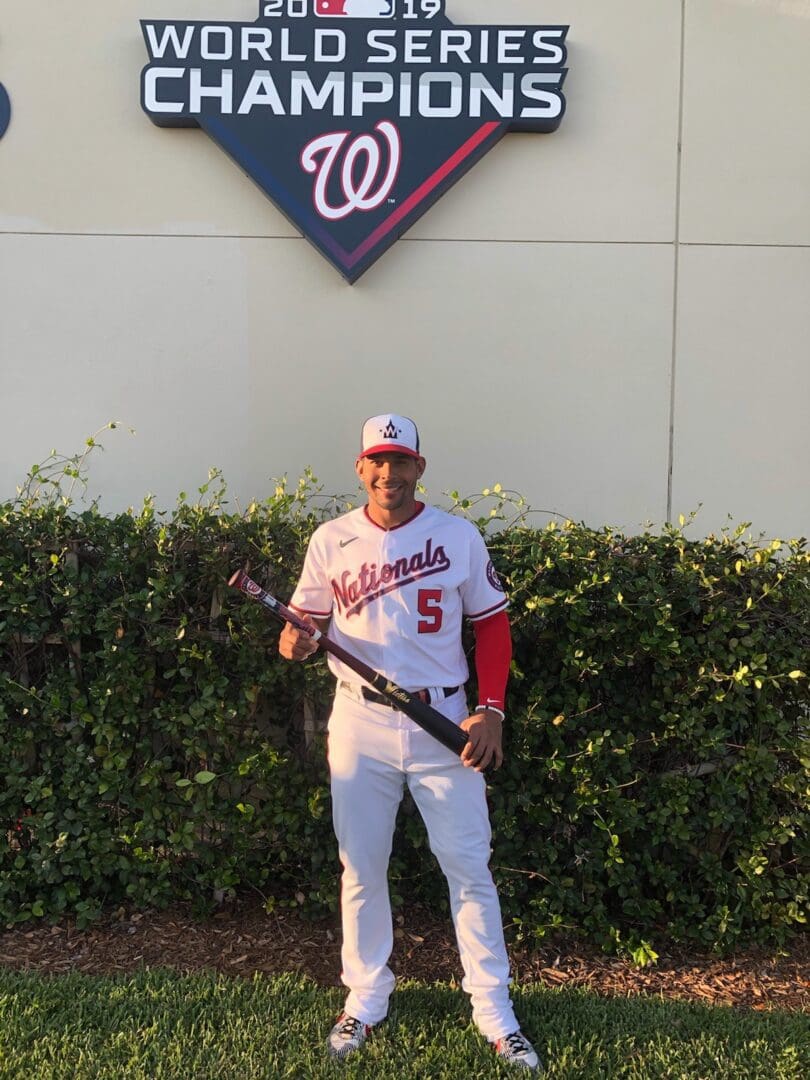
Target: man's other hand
(485, 745)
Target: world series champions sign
(354, 116)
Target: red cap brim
(389, 448)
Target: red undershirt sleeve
(493, 652)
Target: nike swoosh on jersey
(345, 543)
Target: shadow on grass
(158, 1024)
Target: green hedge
(154, 747)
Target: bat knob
(236, 580)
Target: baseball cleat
(515, 1049)
(347, 1035)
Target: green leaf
(204, 777)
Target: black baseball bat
(448, 733)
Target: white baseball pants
(373, 752)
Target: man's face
(390, 479)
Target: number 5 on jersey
(429, 605)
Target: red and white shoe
(347, 1035)
(515, 1049)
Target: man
(394, 578)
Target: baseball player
(393, 580)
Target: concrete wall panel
(746, 175)
(742, 439)
(139, 330)
(229, 361)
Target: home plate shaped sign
(354, 116)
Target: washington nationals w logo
(359, 194)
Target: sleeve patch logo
(492, 577)
(354, 116)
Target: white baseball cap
(389, 433)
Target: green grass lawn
(159, 1024)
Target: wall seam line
(676, 271)
(70, 234)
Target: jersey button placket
(396, 716)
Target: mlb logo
(355, 9)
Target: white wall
(546, 322)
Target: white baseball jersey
(396, 596)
